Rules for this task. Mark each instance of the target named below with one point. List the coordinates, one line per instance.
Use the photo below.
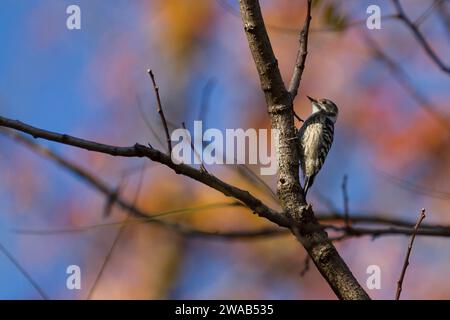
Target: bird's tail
(308, 183)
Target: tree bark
(279, 102)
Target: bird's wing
(307, 138)
(316, 130)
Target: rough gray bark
(280, 108)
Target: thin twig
(294, 31)
(427, 12)
(23, 272)
(345, 198)
(408, 253)
(444, 15)
(205, 100)
(255, 179)
(414, 188)
(403, 79)
(298, 118)
(326, 200)
(301, 54)
(355, 232)
(160, 111)
(202, 166)
(149, 219)
(118, 235)
(306, 264)
(112, 198)
(392, 226)
(147, 121)
(350, 24)
(132, 170)
(420, 37)
(242, 169)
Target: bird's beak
(311, 99)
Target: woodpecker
(316, 137)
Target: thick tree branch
(279, 104)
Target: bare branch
(117, 237)
(146, 217)
(402, 78)
(354, 232)
(111, 199)
(202, 166)
(416, 189)
(298, 118)
(345, 198)
(305, 266)
(252, 177)
(160, 111)
(23, 272)
(444, 14)
(279, 103)
(427, 12)
(147, 122)
(408, 253)
(139, 150)
(294, 31)
(350, 24)
(301, 55)
(242, 169)
(419, 37)
(392, 226)
(206, 95)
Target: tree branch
(345, 201)
(403, 79)
(420, 38)
(139, 150)
(116, 239)
(395, 226)
(115, 198)
(301, 55)
(160, 111)
(294, 31)
(23, 272)
(279, 104)
(408, 253)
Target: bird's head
(325, 106)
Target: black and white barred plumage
(316, 137)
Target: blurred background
(392, 141)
